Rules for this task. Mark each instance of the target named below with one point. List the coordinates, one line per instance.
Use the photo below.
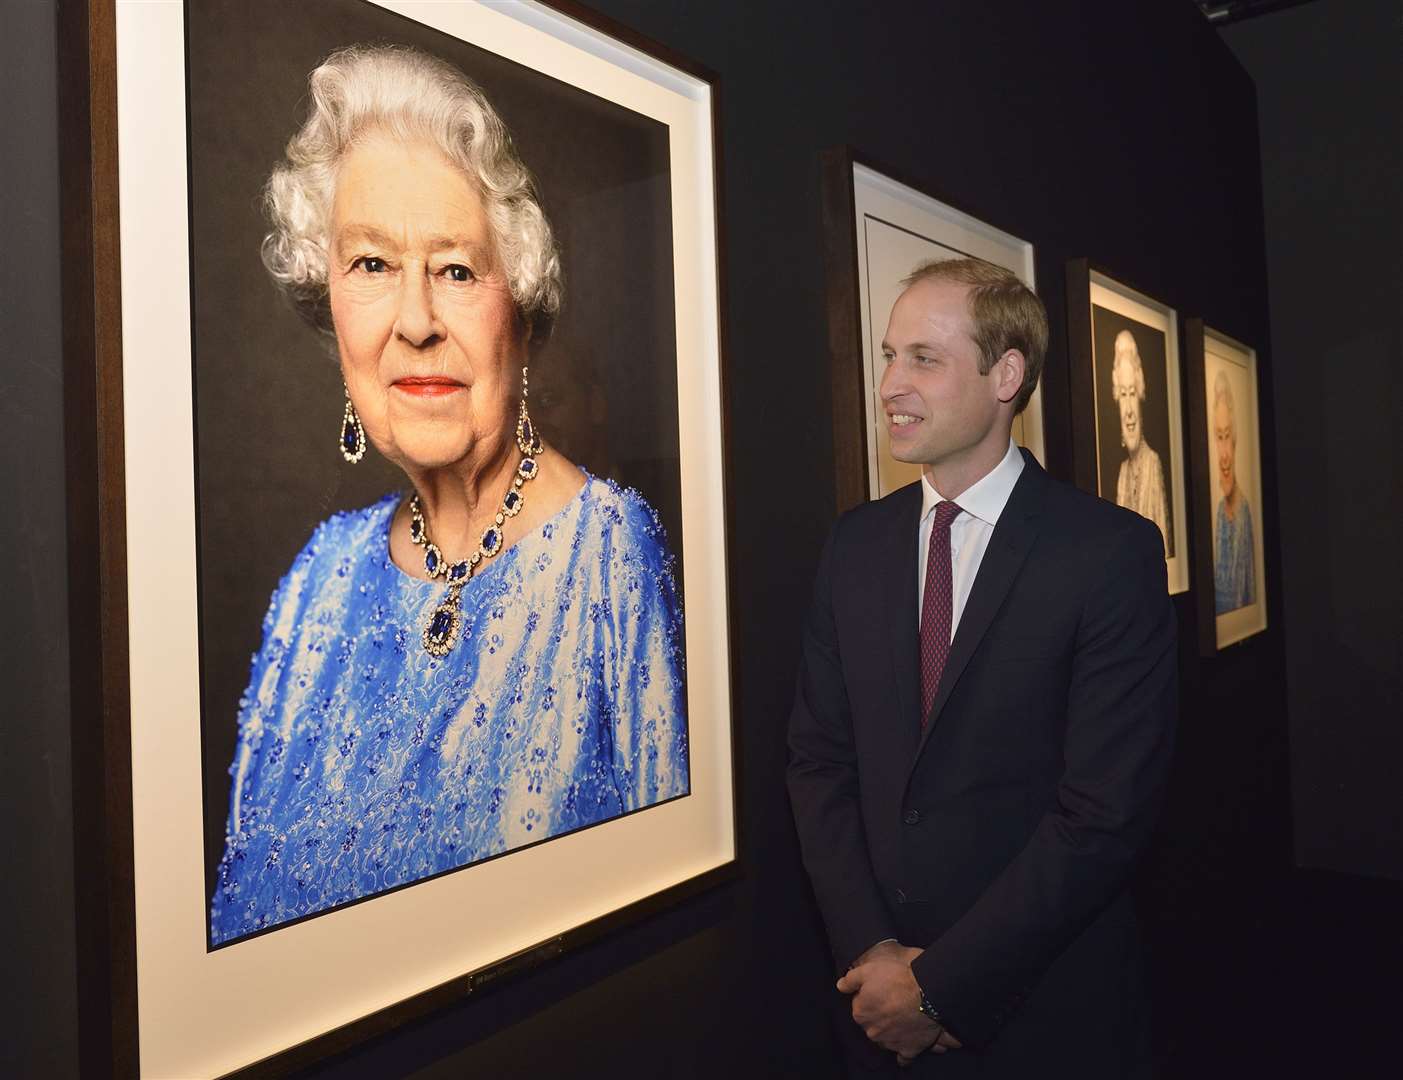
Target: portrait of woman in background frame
(1225, 424)
(1127, 408)
(283, 390)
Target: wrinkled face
(1225, 440)
(430, 343)
(1127, 396)
(937, 403)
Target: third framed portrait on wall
(877, 231)
(1127, 411)
(1227, 456)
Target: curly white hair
(410, 95)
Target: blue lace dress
(364, 763)
(1234, 559)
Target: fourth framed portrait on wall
(423, 501)
(1128, 414)
(1227, 455)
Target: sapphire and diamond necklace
(441, 631)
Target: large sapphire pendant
(352, 435)
(441, 631)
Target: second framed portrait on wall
(1227, 455)
(1128, 417)
(877, 231)
(424, 499)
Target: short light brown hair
(1005, 312)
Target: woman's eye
(370, 264)
(458, 272)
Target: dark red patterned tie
(937, 606)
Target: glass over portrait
(1235, 515)
(1139, 417)
(476, 642)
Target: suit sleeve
(823, 785)
(1121, 712)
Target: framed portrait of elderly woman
(1128, 417)
(877, 231)
(413, 598)
(1227, 460)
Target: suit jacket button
(912, 817)
(900, 896)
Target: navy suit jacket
(1000, 835)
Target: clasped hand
(886, 1003)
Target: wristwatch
(929, 1011)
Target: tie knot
(945, 514)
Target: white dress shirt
(980, 506)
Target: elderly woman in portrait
(1140, 485)
(1234, 546)
(496, 658)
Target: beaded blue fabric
(1234, 558)
(364, 763)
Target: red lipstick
(428, 385)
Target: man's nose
(893, 382)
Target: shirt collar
(987, 497)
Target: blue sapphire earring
(352, 433)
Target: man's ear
(1008, 374)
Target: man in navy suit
(984, 721)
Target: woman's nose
(417, 321)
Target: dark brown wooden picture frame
(1199, 472)
(109, 1022)
(850, 478)
(1082, 384)
(1196, 334)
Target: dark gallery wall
(1126, 133)
(1330, 93)
(36, 839)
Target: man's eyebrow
(916, 346)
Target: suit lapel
(898, 574)
(1008, 547)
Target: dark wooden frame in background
(851, 482)
(1201, 478)
(1082, 383)
(97, 576)
(1195, 339)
